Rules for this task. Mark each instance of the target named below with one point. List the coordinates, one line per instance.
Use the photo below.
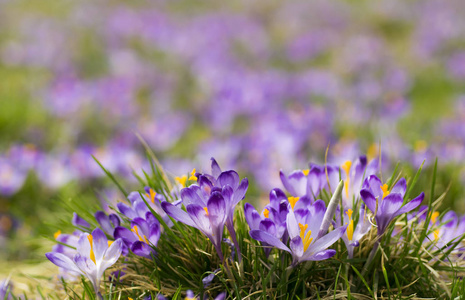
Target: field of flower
(339, 127)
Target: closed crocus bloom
(386, 204)
(94, 255)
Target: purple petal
(251, 216)
(239, 193)
(78, 221)
(115, 220)
(100, 242)
(411, 205)
(299, 183)
(126, 210)
(400, 187)
(134, 196)
(190, 196)
(217, 212)
(112, 254)
(373, 184)
(230, 178)
(142, 249)
(268, 226)
(63, 261)
(297, 246)
(177, 213)
(322, 255)
(126, 235)
(155, 233)
(292, 225)
(265, 237)
(324, 242)
(104, 222)
(142, 225)
(216, 170)
(200, 218)
(369, 200)
(287, 184)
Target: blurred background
(259, 85)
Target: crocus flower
(94, 255)
(355, 231)
(273, 218)
(386, 204)
(208, 217)
(307, 239)
(143, 235)
(220, 190)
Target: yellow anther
(384, 188)
(193, 177)
(436, 235)
(349, 213)
(135, 229)
(109, 243)
(57, 234)
(434, 216)
(92, 254)
(306, 238)
(346, 166)
(350, 227)
(151, 196)
(266, 213)
(306, 172)
(129, 298)
(293, 201)
(182, 180)
(206, 210)
(303, 228)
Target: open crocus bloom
(143, 235)
(94, 255)
(303, 227)
(387, 204)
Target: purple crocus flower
(94, 255)
(143, 235)
(386, 204)
(354, 232)
(308, 241)
(273, 218)
(210, 204)
(209, 217)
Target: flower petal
(400, 187)
(63, 261)
(112, 255)
(369, 200)
(104, 221)
(230, 178)
(100, 242)
(216, 170)
(322, 255)
(297, 247)
(177, 213)
(239, 193)
(265, 237)
(324, 242)
(411, 205)
(251, 216)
